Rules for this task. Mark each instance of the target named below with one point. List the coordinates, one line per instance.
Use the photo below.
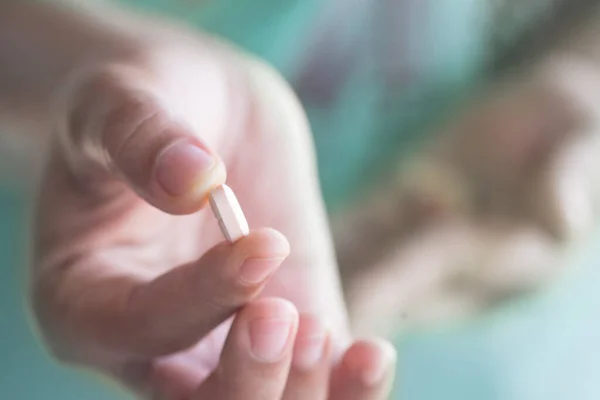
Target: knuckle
(104, 108)
(233, 296)
(87, 93)
(277, 102)
(130, 110)
(226, 291)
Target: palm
(122, 267)
(141, 240)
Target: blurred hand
(130, 275)
(483, 213)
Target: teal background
(26, 371)
(540, 348)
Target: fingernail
(179, 166)
(310, 343)
(377, 372)
(255, 270)
(269, 337)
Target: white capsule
(228, 212)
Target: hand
(129, 273)
(483, 213)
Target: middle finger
(311, 363)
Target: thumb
(118, 119)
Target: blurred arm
(40, 43)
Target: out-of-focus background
(27, 372)
(381, 91)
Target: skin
(487, 211)
(115, 253)
(130, 272)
